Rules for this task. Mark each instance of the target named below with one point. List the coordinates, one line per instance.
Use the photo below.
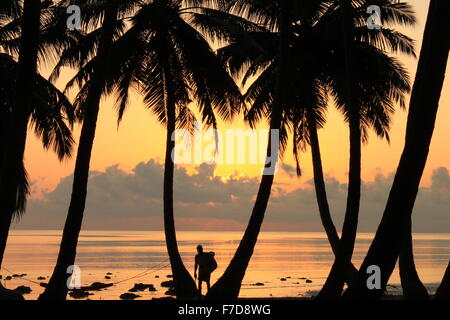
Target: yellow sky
(141, 138)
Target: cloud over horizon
(133, 200)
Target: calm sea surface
(142, 257)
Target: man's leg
(208, 284)
(200, 287)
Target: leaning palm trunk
(184, 284)
(336, 279)
(321, 195)
(12, 175)
(5, 224)
(57, 287)
(424, 105)
(334, 284)
(413, 288)
(229, 284)
(443, 291)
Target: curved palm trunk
(229, 284)
(57, 287)
(335, 282)
(12, 170)
(185, 286)
(321, 195)
(443, 291)
(5, 224)
(9, 206)
(413, 288)
(424, 105)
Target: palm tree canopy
(160, 32)
(317, 71)
(51, 119)
(51, 114)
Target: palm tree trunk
(443, 291)
(335, 282)
(413, 288)
(424, 105)
(5, 224)
(12, 170)
(57, 287)
(229, 284)
(321, 195)
(185, 286)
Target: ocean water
(140, 257)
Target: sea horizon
(206, 231)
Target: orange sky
(141, 138)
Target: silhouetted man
(206, 264)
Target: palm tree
(88, 102)
(255, 51)
(314, 97)
(20, 35)
(172, 64)
(12, 171)
(413, 287)
(394, 226)
(8, 11)
(51, 111)
(48, 116)
(26, 98)
(306, 115)
(335, 281)
(358, 93)
(228, 285)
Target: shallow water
(142, 256)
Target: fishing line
(23, 278)
(159, 266)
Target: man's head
(199, 248)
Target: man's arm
(195, 268)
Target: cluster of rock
(23, 290)
(171, 287)
(306, 280)
(129, 296)
(83, 292)
(14, 276)
(142, 287)
(167, 284)
(138, 287)
(79, 294)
